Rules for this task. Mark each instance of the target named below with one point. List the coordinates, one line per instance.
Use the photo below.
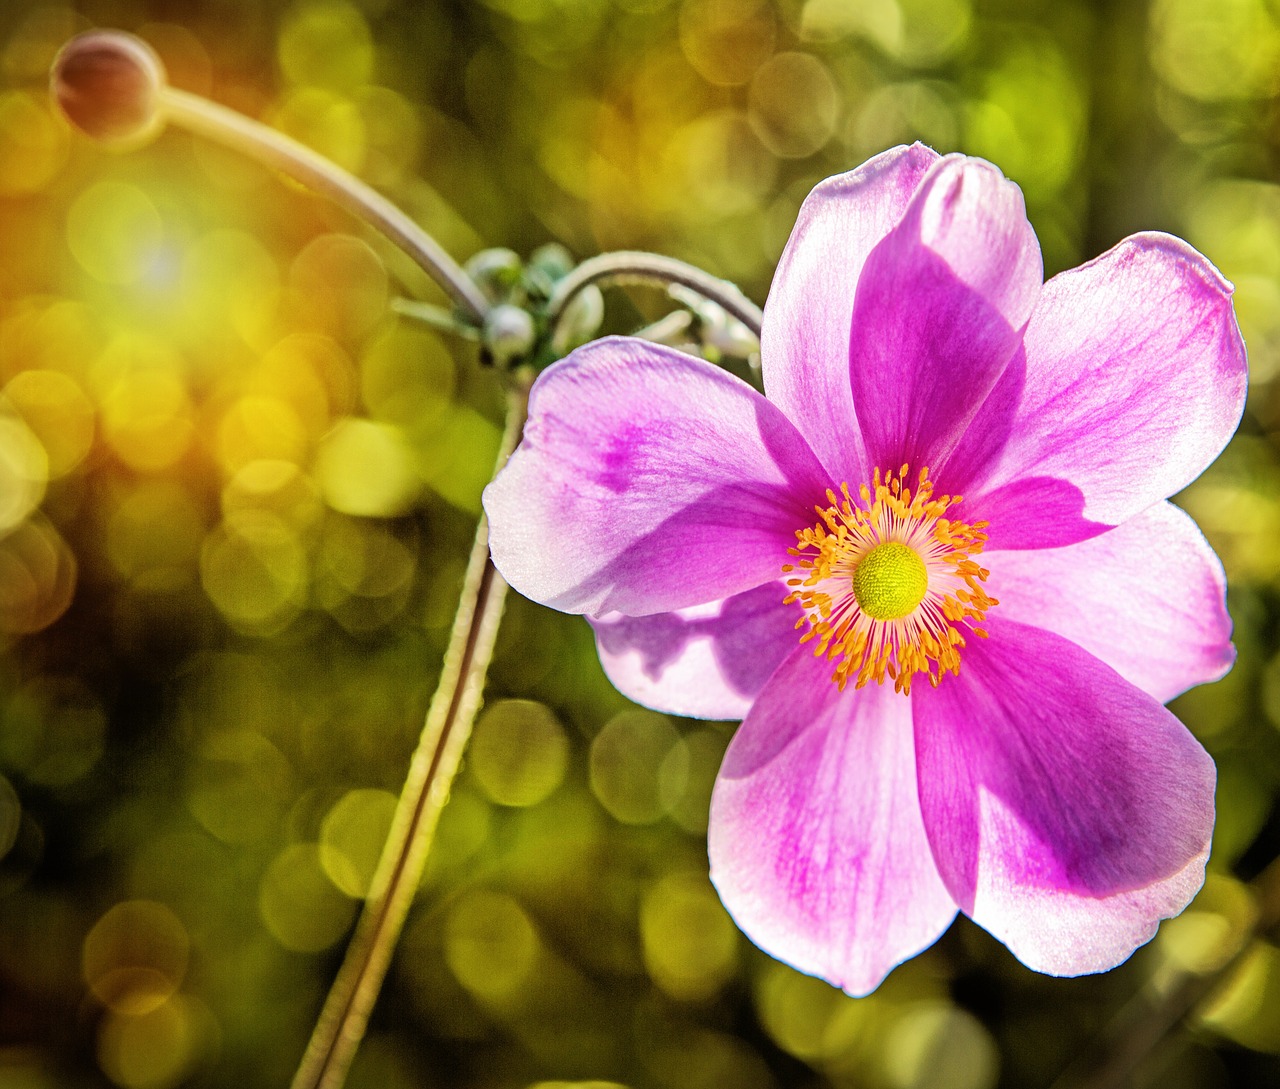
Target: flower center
(890, 581)
(889, 585)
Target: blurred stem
(1142, 1025)
(438, 317)
(342, 1022)
(633, 267)
(265, 145)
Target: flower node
(108, 84)
(888, 585)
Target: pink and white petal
(1148, 598)
(805, 339)
(1069, 812)
(817, 845)
(939, 312)
(647, 481)
(1134, 380)
(707, 661)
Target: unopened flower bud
(718, 328)
(728, 336)
(509, 334)
(553, 259)
(580, 321)
(108, 84)
(496, 271)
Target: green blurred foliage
(236, 494)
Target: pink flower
(949, 703)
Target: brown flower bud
(108, 84)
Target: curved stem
(266, 145)
(633, 267)
(342, 1022)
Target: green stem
(437, 317)
(342, 1022)
(633, 267)
(265, 145)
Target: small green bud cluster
(515, 331)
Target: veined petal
(707, 661)
(939, 312)
(1132, 382)
(647, 481)
(1148, 598)
(1068, 811)
(817, 844)
(805, 339)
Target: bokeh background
(236, 494)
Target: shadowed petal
(939, 312)
(707, 661)
(1133, 381)
(1068, 811)
(1148, 598)
(817, 845)
(805, 340)
(648, 480)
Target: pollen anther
(887, 584)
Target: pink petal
(805, 341)
(817, 845)
(1069, 812)
(1148, 598)
(707, 661)
(1132, 382)
(939, 312)
(647, 481)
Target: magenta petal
(707, 661)
(805, 340)
(939, 312)
(1133, 381)
(1148, 598)
(1069, 812)
(647, 481)
(817, 845)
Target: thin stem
(266, 145)
(633, 267)
(438, 317)
(343, 1020)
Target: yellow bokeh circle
(58, 412)
(24, 471)
(518, 752)
(35, 144)
(114, 231)
(135, 957)
(625, 762)
(367, 468)
(299, 904)
(352, 836)
(148, 418)
(254, 569)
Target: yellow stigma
(890, 581)
(889, 586)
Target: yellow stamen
(887, 583)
